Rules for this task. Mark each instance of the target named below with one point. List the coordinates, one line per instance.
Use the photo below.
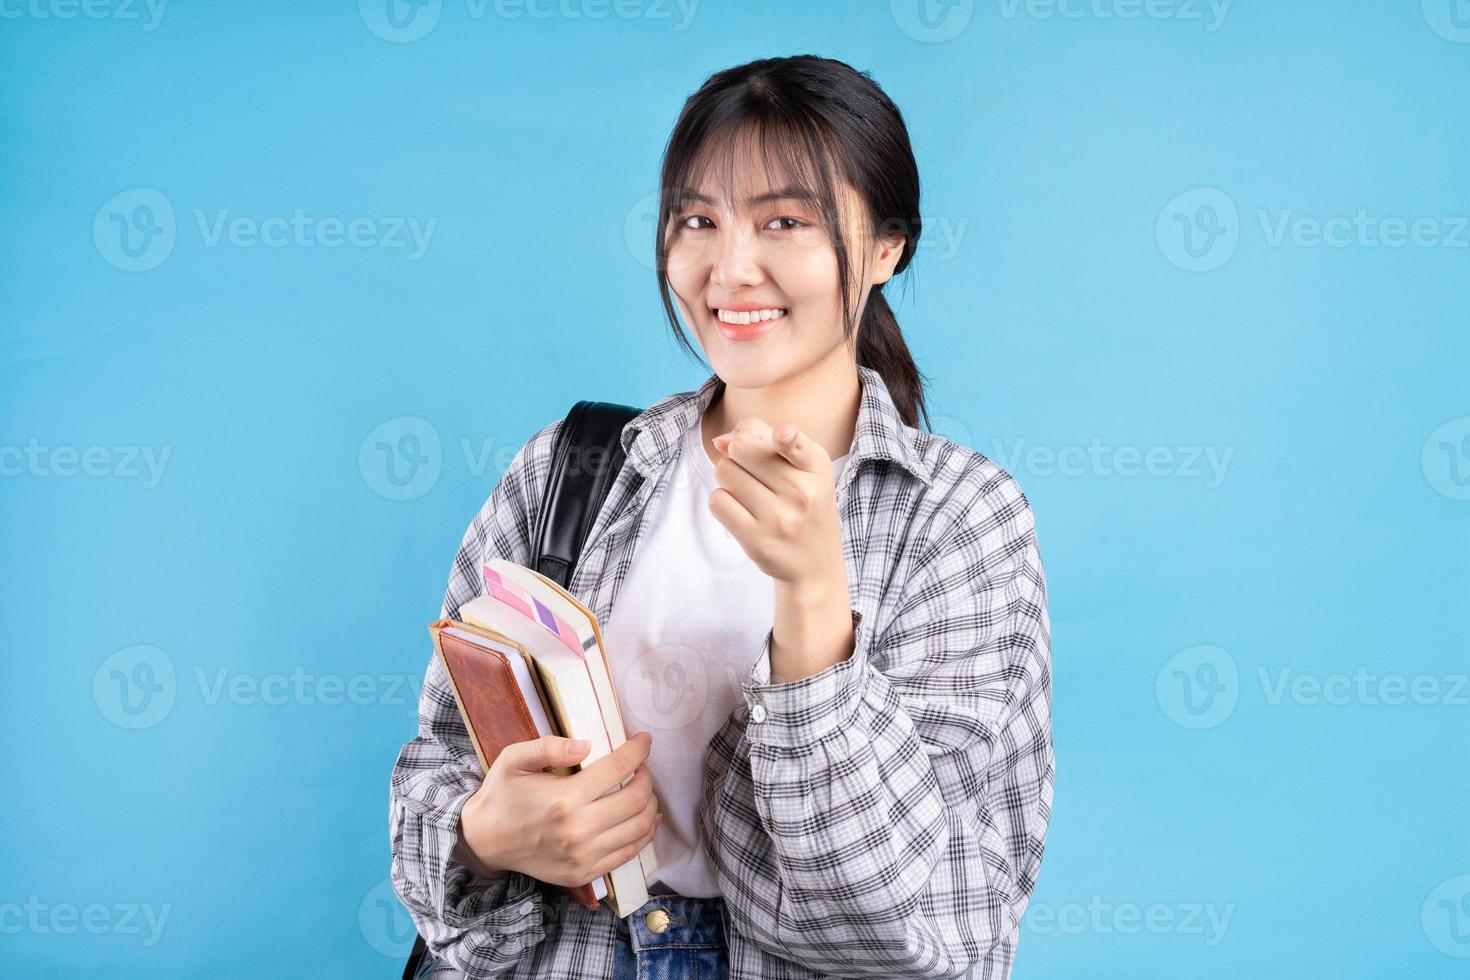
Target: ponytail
(881, 347)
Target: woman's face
(755, 276)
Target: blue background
(1072, 309)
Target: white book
(584, 622)
(569, 685)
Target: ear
(890, 250)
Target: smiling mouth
(744, 318)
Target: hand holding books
(562, 829)
(527, 667)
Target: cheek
(807, 276)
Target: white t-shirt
(687, 627)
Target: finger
(799, 449)
(757, 498)
(622, 856)
(628, 802)
(732, 514)
(637, 829)
(751, 446)
(612, 770)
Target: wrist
(467, 854)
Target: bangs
(796, 160)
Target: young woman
(832, 638)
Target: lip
(748, 331)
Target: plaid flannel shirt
(885, 818)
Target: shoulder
(971, 499)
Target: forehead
(746, 168)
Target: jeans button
(657, 920)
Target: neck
(823, 401)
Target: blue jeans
(692, 945)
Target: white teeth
(754, 316)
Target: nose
(737, 260)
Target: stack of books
(526, 660)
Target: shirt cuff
(505, 906)
(802, 712)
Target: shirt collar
(652, 436)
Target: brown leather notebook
(492, 702)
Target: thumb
(546, 751)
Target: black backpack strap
(586, 460)
(584, 464)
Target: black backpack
(584, 464)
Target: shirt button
(758, 713)
(657, 920)
(526, 907)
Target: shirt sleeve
(482, 927)
(886, 816)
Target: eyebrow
(781, 194)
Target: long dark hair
(825, 121)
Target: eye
(690, 222)
(786, 224)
